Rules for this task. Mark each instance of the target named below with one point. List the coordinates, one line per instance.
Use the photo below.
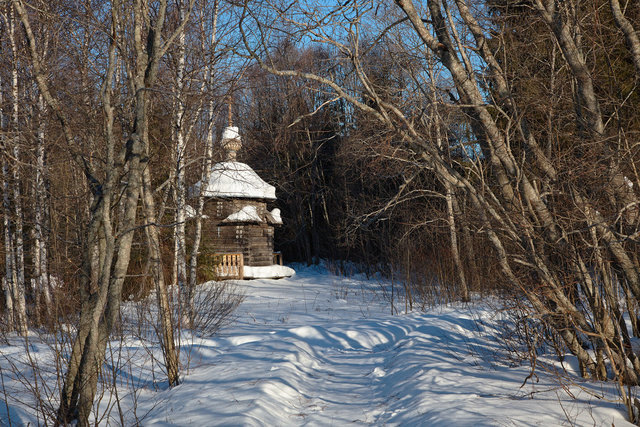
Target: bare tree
(565, 244)
(109, 237)
(210, 112)
(14, 240)
(41, 286)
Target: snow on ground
(318, 349)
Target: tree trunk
(208, 159)
(180, 250)
(9, 279)
(630, 34)
(19, 305)
(41, 241)
(169, 350)
(107, 254)
(453, 236)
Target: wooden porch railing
(230, 266)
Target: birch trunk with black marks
(9, 278)
(41, 236)
(17, 281)
(208, 153)
(180, 249)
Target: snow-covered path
(318, 349)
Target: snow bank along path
(317, 349)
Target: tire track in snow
(323, 350)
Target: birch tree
(180, 250)
(41, 287)
(12, 200)
(201, 63)
(110, 232)
(210, 112)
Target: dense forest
(464, 147)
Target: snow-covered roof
(274, 216)
(230, 132)
(237, 180)
(246, 214)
